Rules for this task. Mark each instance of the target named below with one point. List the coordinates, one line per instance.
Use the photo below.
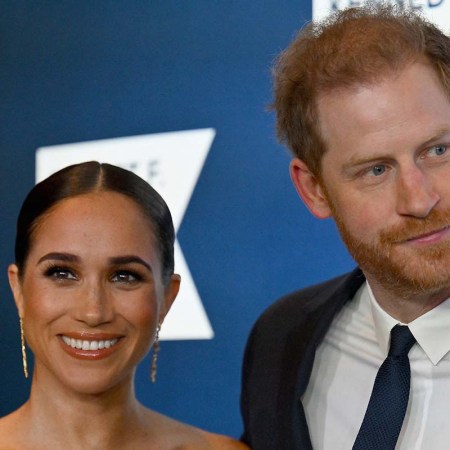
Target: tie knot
(401, 341)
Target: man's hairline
(385, 75)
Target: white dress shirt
(348, 360)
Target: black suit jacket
(278, 361)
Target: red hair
(354, 46)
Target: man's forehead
(408, 110)
(391, 82)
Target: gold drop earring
(24, 353)
(156, 347)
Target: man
(362, 100)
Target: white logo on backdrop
(172, 163)
(437, 11)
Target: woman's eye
(126, 277)
(60, 273)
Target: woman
(93, 281)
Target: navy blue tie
(387, 405)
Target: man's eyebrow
(367, 159)
(128, 259)
(66, 257)
(439, 134)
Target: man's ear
(309, 189)
(16, 287)
(170, 293)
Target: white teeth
(88, 345)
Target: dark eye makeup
(59, 272)
(126, 276)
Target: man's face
(386, 178)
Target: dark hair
(90, 177)
(350, 47)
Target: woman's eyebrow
(68, 257)
(127, 259)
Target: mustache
(413, 227)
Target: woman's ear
(309, 189)
(170, 293)
(16, 288)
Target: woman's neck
(102, 420)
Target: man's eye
(378, 170)
(439, 149)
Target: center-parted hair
(91, 177)
(355, 46)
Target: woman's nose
(95, 305)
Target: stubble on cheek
(395, 263)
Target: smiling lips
(89, 345)
(89, 348)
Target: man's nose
(416, 193)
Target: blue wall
(74, 71)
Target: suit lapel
(298, 359)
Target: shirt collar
(430, 330)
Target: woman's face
(92, 280)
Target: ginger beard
(399, 266)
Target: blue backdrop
(74, 71)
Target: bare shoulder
(180, 436)
(10, 431)
(220, 442)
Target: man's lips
(431, 236)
